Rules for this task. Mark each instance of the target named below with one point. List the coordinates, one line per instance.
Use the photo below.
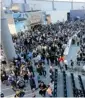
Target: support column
(25, 2)
(72, 5)
(53, 5)
(6, 38)
(11, 3)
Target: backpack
(21, 83)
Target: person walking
(49, 91)
(72, 64)
(43, 89)
(32, 83)
(36, 80)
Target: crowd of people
(35, 50)
(81, 53)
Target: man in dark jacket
(43, 89)
(32, 83)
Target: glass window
(62, 5)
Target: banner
(35, 17)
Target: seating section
(73, 85)
(55, 83)
(81, 85)
(64, 83)
(77, 91)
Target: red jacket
(61, 59)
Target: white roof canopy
(72, 0)
(22, 1)
(9, 2)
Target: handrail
(69, 44)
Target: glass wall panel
(6, 3)
(62, 5)
(78, 6)
(18, 1)
(42, 5)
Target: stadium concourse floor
(8, 92)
